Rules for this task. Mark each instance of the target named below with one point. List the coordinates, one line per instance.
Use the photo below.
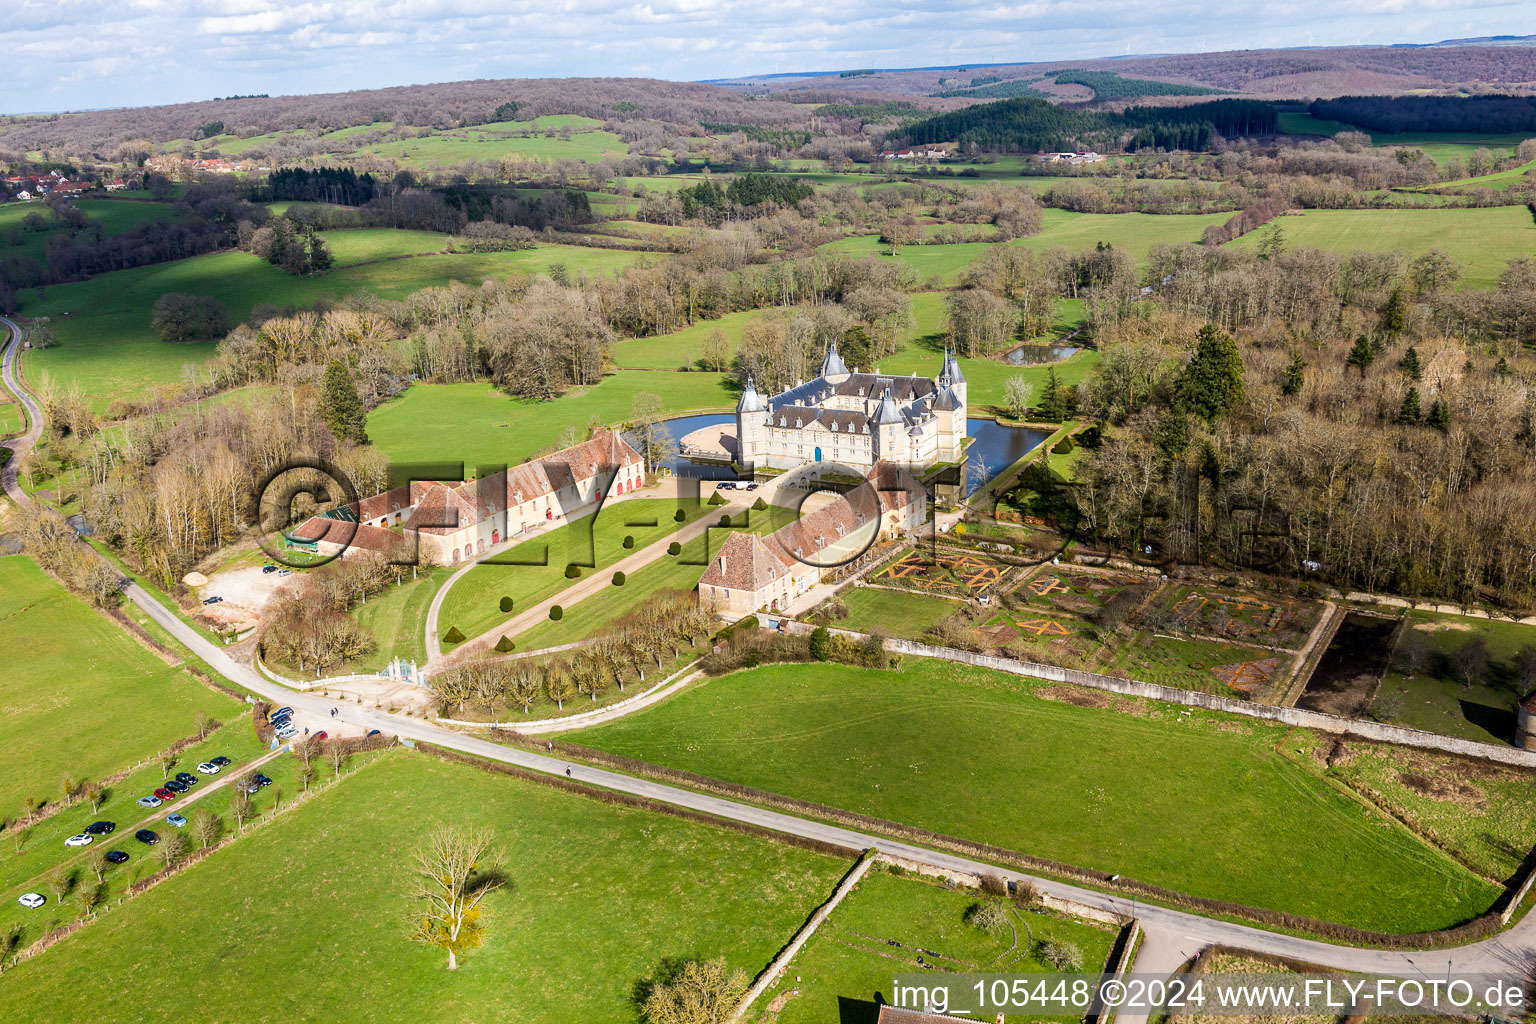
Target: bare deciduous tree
(456, 869)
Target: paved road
(20, 445)
(595, 580)
(1510, 953)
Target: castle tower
(952, 375)
(833, 369)
(890, 429)
(751, 430)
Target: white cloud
(90, 53)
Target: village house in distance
(854, 419)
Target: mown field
(481, 426)
(1138, 791)
(81, 697)
(669, 572)
(309, 918)
(107, 346)
(893, 612)
(534, 569)
(1439, 146)
(114, 216)
(1484, 240)
(541, 139)
(847, 964)
(1438, 698)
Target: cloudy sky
(73, 54)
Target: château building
(856, 419)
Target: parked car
(101, 828)
(32, 900)
(287, 732)
(280, 713)
(83, 839)
(726, 485)
(176, 820)
(285, 572)
(165, 794)
(269, 568)
(208, 768)
(149, 801)
(372, 733)
(322, 734)
(751, 487)
(222, 761)
(186, 777)
(213, 600)
(176, 786)
(116, 857)
(146, 837)
(262, 780)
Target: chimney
(722, 565)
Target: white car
(83, 839)
(149, 801)
(208, 768)
(31, 899)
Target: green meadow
(987, 757)
(1484, 240)
(85, 699)
(107, 346)
(310, 916)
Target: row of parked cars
(733, 485)
(282, 723)
(173, 787)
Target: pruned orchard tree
(456, 869)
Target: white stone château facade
(857, 419)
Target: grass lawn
(1437, 700)
(893, 613)
(847, 963)
(480, 426)
(682, 348)
(82, 697)
(107, 346)
(116, 217)
(1439, 146)
(598, 897)
(1486, 813)
(669, 572)
(981, 755)
(507, 138)
(12, 419)
(1484, 240)
(473, 605)
(1134, 232)
(43, 850)
(1497, 180)
(397, 618)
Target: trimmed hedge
(725, 520)
(506, 604)
(556, 613)
(454, 636)
(715, 499)
(618, 579)
(674, 548)
(629, 542)
(504, 645)
(679, 516)
(573, 571)
(759, 505)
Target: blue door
(818, 453)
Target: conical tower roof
(886, 411)
(751, 401)
(952, 368)
(833, 364)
